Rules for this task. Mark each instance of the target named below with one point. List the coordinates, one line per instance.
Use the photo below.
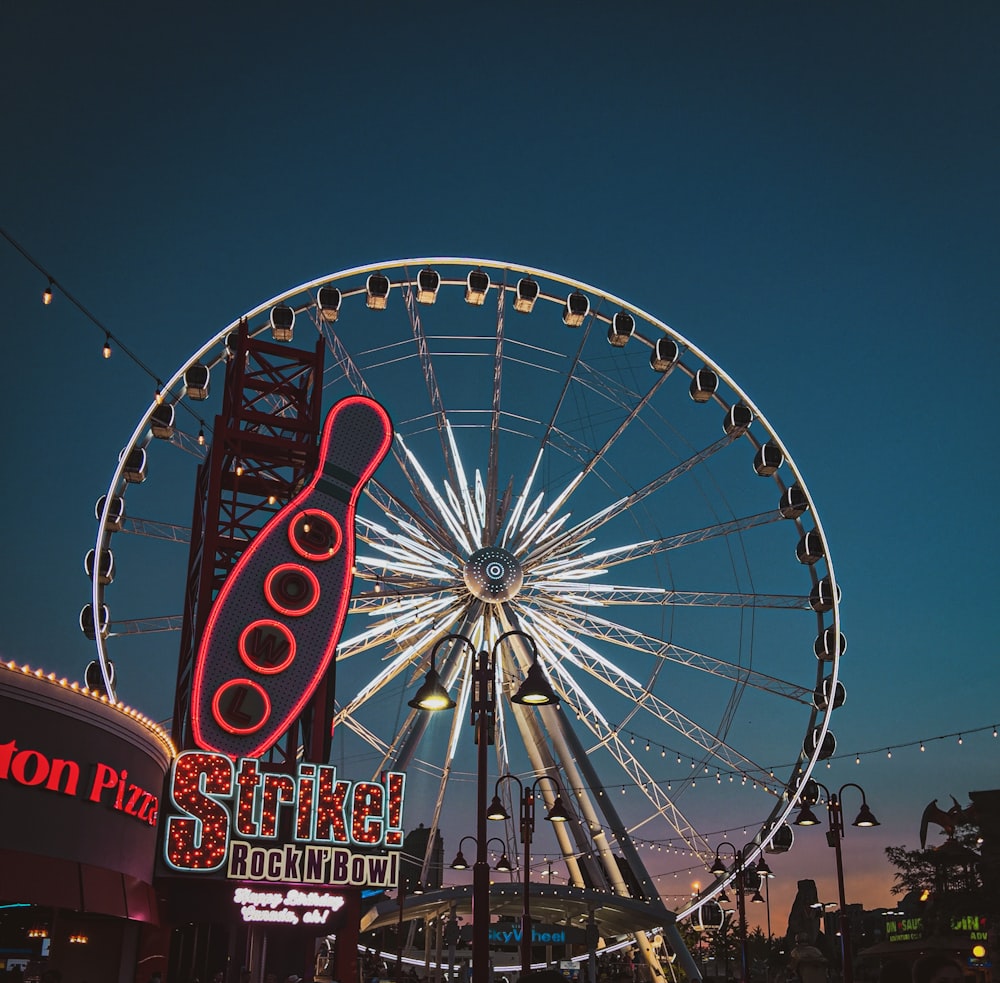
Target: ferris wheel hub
(493, 575)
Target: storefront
(80, 787)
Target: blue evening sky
(808, 192)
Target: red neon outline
(271, 623)
(229, 727)
(233, 579)
(276, 604)
(326, 517)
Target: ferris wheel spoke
(399, 625)
(514, 530)
(592, 626)
(408, 656)
(534, 531)
(402, 553)
(558, 552)
(571, 539)
(491, 504)
(423, 526)
(347, 364)
(145, 626)
(624, 554)
(571, 649)
(157, 530)
(449, 513)
(430, 378)
(575, 593)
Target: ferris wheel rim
(172, 391)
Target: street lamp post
(557, 814)
(834, 835)
(747, 878)
(432, 695)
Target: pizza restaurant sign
(233, 818)
(100, 782)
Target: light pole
(432, 695)
(806, 817)
(747, 878)
(557, 814)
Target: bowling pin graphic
(275, 624)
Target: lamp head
(497, 810)
(432, 695)
(865, 817)
(558, 813)
(806, 816)
(535, 690)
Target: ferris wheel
(566, 466)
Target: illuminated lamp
(806, 816)
(558, 813)
(432, 695)
(106, 350)
(865, 817)
(496, 811)
(47, 294)
(536, 689)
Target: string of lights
(717, 775)
(48, 295)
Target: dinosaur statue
(948, 821)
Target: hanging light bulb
(47, 294)
(106, 350)
(201, 436)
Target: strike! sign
(238, 820)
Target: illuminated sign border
(330, 480)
